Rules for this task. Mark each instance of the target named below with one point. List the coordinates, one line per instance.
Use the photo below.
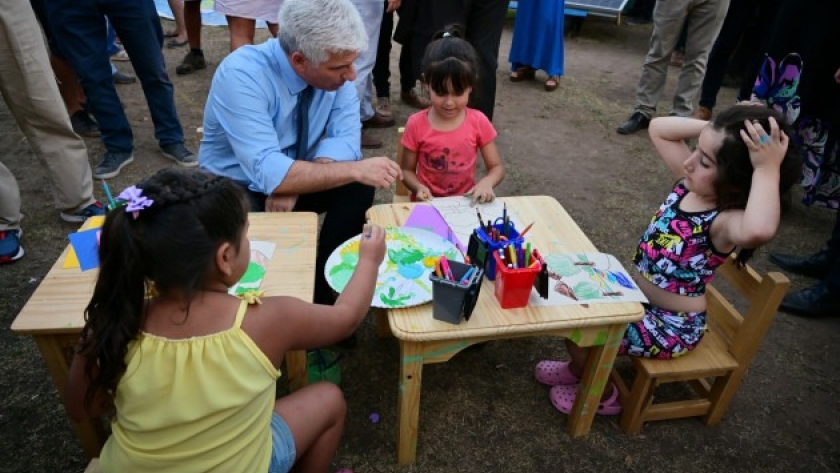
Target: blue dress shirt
(250, 128)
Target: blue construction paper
(86, 245)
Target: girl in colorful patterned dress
(727, 198)
(191, 370)
(442, 142)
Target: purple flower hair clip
(134, 200)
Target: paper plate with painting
(404, 273)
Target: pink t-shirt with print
(446, 159)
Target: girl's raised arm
(757, 224)
(668, 135)
(286, 323)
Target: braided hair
(170, 245)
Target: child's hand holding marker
(372, 244)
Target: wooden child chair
(716, 367)
(401, 193)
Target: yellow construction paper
(72, 261)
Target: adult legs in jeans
(82, 29)
(29, 89)
(725, 44)
(704, 22)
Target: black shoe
(83, 125)
(815, 301)
(814, 266)
(193, 61)
(124, 78)
(637, 121)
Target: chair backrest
(401, 193)
(743, 333)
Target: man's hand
(280, 203)
(378, 172)
(393, 5)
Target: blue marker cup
(484, 247)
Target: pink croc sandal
(563, 399)
(555, 373)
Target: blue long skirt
(538, 36)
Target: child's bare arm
(483, 190)
(668, 135)
(286, 323)
(76, 390)
(758, 223)
(409, 169)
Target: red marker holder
(513, 285)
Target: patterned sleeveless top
(676, 251)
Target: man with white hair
(282, 119)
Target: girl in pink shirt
(442, 142)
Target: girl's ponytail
(115, 312)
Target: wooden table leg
(595, 377)
(296, 369)
(411, 376)
(91, 432)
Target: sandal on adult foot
(553, 373)
(563, 399)
(522, 73)
(552, 83)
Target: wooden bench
(716, 367)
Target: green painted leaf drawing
(586, 290)
(562, 265)
(392, 300)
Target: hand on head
(765, 149)
(379, 172)
(481, 193)
(372, 245)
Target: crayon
(528, 254)
(437, 269)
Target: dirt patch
(482, 410)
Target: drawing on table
(403, 279)
(261, 253)
(586, 278)
(461, 215)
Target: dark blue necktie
(304, 100)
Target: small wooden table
(425, 340)
(54, 315)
